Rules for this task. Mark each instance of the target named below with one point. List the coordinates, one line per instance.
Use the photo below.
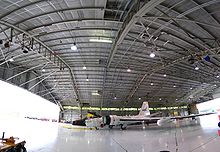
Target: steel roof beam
(192, 41)
(76, 29)
(73, 20)
(186, 20)
(37, 40)
(155, 69)
(18, 8)
(186, 15)
(67, 9)
(129, 23)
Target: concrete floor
(52, 137)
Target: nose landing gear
(123, 127)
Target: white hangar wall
(16, 102)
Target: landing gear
(110, 126)
(123, 127)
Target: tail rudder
(144, 111)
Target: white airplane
(144, 117)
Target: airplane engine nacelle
(111, 120)
(164, 121)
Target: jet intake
(106, 120)
(164, 121)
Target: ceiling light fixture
(84, 67)
(87, 78)
(174, 86)
(164, 75)
(139, 98)
(196, 68)
(152, 54)
(101, 40)
(217, 76)
(160, 99)
(25, 50)
(128, 70)
(151, 83)
(74, 47)
(43, 70)
(11, 60)
(191, 88)
(115, 97)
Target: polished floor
(180, 137)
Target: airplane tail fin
(144, 109)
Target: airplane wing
(157, 120)
(192, 116)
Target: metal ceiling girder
(195, 42)
(80, 36)
(73, 20)
(78, 29)
(188, 12)
(158, 68)
(18, 8)
(51, 51)
(64, 38)
(186, 20)
(127, 26)
(66, 9)
(211, 16)
(67, 21)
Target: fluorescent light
(152, 55)
(95, 94)
(101, 40)
(84, 67)
(128, 70)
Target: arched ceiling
(183, 34)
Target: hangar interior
(109, 56)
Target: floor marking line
(176, 140)
(120, 145)
(78, 128)
(211, 139)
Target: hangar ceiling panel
(112, 65)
